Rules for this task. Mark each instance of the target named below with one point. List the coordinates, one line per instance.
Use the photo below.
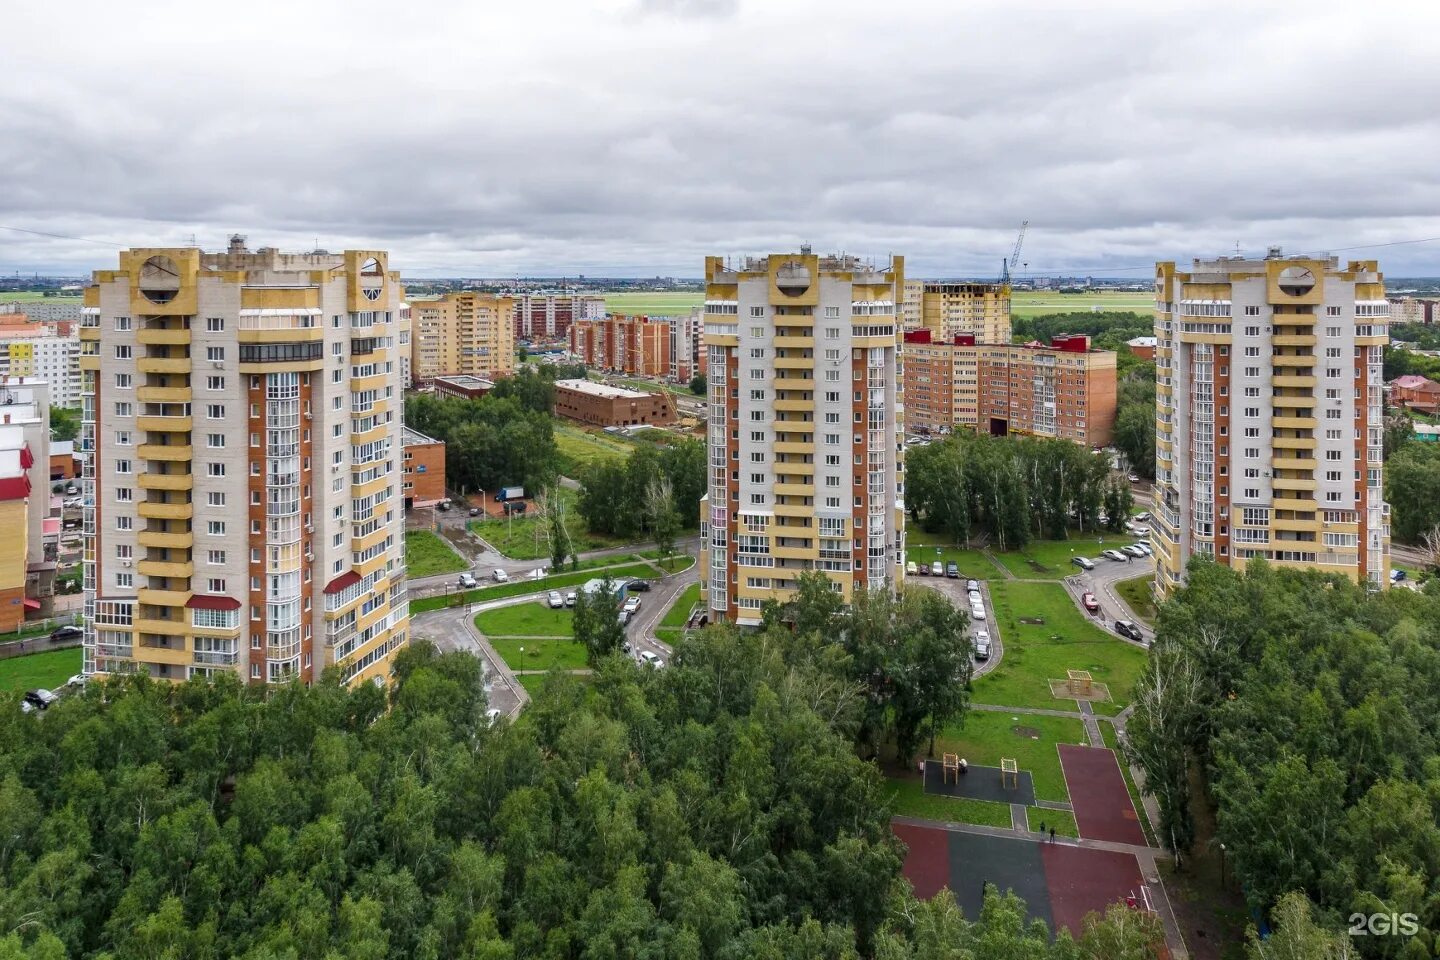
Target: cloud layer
(633, 137)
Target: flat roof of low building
(466, 381)
(602, 390)
(414, 438)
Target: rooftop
(601, 390)
(466, 382)
(414, 438)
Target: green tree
(64, 423)
(597, 623)
(1296, 935)
(557, 530)
(1412, 487)
(660, 510)
(698, 385)
(1399, 430)
(1135, 437)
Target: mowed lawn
(1050, 559)
(922, 547)
(524, 537)
(1027, 738)
(1035, 653)
(1136, 593)
(909, 799)
(679, 611)
(1035, 303)
(540, 654)
(582, 448)
(527, 620)
(1062, 821)
(47, 670)
(648, 301)
(426, 554)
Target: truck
(510, 493)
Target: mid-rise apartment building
(49, 310)
(979, 309)
(804, 443)
(687, 346)
(422, 469)
(547, 316)
(1064, 390)
(44, 350)
(1269, 416)
(1413, 309)
(461, 334)
(638, 346)
(242, 420)
(30, 547)
(912, 306)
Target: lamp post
(1222, 866)
(522, 659)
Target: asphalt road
(1101, 582)
(955, 591)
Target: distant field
(658, 303)
(26, 296)
(1033, 303)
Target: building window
(214, 324)
(124, 495)
(215, 528)
(124, 523)
(215, 469)
(125, 580)
(123, 381)
(214, 383)
(123, 351)
(122, 438)
(215, 557)
(215, 354)
(122, 323)
(122, 466)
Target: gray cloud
(633, 137)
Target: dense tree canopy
(1011, 488)
(1313, 709)
(64, 423)
(616, 498)
(490, 442)
(1412, 487)
(534, 386)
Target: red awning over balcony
(201, 601)
(346, 579)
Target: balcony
(787, 342)
(163, 598)
(165, 511)
(157, 337)
(171, 627)
(1294, 340)
(166, 481)
(1293, 443)
(204, 658)
(796, 363)
(1288, 380)
(165, 541)
(795, 489)
(165, 424)
(163, 394)
(163, 364)
(1292, 423)
(1294, 483)
(795, 446)
(1288, 360)
(166, 568)
(796, 405)
(176, 656)
(172, 452)
(1293, 319)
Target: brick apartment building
(1064, 390)
(422, 470)
(636, 346)
(548, 316)
(606, 406)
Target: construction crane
(1009, 265)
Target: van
(982, 645)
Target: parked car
(975, 598)
(1397, 575)
(570, 599)
(1133, 551)
(952, 570)
(982, 645)
(1084, 563)
(474, 511)
(77, 682)
(923, 569)
(501, 576)
(972, 585)
(632, 605)
(911, 569)
(638, 586)
(467, 581)
(1089, 602)
(40, 699)
(1127, 629)
(651, 659)
(1141, 517)
(1144, 548)
(1141, 533)
(937, 569)
(555, 600)
(977, 611)
(1134, 478)
(1113, 555)
(67, 632)
(624, 617)
(72, 502)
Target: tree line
(654, 487)
(491, 442)
(1012, 489)
(1310, 708)
(715, 809)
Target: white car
(467, 581)
(937, 569)
(977, 612)
(501, 576)
(570, 599)
(910, 569)
(632, 606)
(651, 659)
(975, 598)
(982, 645)
(555, 600)
(1113, 555)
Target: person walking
(1052, 834)
(1042, 829)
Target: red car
(1090, 602)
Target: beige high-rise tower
(805, 447)
(1269, 416)
(242, 416)
(462, 334)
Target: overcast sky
(633, 137)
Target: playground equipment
(1078, 682)
(1009, 774)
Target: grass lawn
(32, 296)
(523, 538)
(1062, 820)
(49, 669)
(662, 303)
(674, 564)
(519, 588)
(922, 547)
(1036, 653)
(1034, 303)
(427, 554)
(532, 682)
(988, 736)
(527, 620)
(540, 654)
(1050, 559)
(669, 635)
(679, 612)
(1136, 593)
(911, 800)
(582, 448)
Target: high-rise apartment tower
(805, 453)
(462, 334)
(242, 421)
(1269, 416)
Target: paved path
(955, 591)
(1037, 711)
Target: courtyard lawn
(679, 611)
(427, 554)
(910, 800)
(1034, 303)
(661, 303)
(1136, 594)
(1027, 738)
(1050, 559)
(540, 654)
(923, 547)
(581, 448)
(48, 670)
(1062, 820)
(527, 620)
(518, 588)
(1035, 653)
(524, 537)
